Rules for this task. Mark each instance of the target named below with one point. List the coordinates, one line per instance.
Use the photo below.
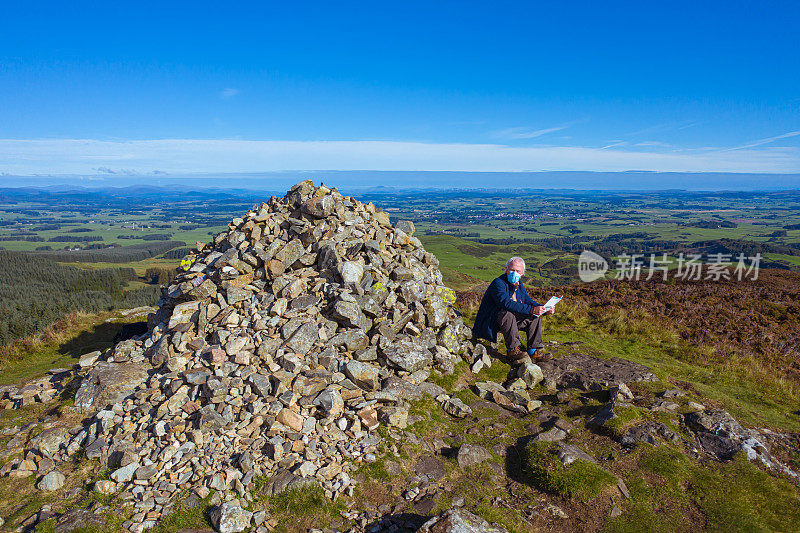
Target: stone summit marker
(289, 340)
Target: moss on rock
(544, 470)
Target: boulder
(471, 454)
(459, 521)
(51, 481)
(109, 383)
(230, 518)
(364, 375)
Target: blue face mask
(513, 276)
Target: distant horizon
(376, 180)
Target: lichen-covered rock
(109, 383)
(408, 355)
(230, 518)
(459, 521)
(52, 481)
(472, 454)
(364, 375)
(455, 407)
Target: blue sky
(145, 88)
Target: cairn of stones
(289, 341)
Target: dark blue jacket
(497, 297)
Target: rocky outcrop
(585, 372)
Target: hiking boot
(515, 354)
(539, 357)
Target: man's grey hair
(514, 260)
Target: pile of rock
(277, 355)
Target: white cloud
(186, 156)
(228, 92)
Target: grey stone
(49, 441)
(109, 383)
(78, 519)
(402, 390)
(291, 252)
(330, 401)
(408, 355)
(607, 413)
(160, 351)
(353, 339)
(430, 469)
(459, 521)
(348, 314)
(455, 407)
(471, 454)
(145, 472)
(432, 389)
(351, 271)
(89, 359)
(664, 406)
(285, 481)
(553, 434)
(124, 474)
(585, 372)
(319, 207)
(51, 481)
(304, 338)
(569, 453)
(406, 226)
(261, 384)
(364, 375)
(448, 337)
(230, 518)
(531, 374)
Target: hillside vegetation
(37, 292)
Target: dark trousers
(509, 324)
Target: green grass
(184, 518)
(376, 471)
(753, 395)
(578, 479)
(669, 491)
(76, 335)
(303, 508)
(447, 381)
(626, 415)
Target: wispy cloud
(653, 144)
(525, 133)
(768, 140)
(228, 93)
(613, 144)
(666, 126)
(177, 156)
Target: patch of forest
(36, 291)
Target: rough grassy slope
(668, 489)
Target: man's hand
(550, 311)
(537, 310)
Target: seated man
(506, 307)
